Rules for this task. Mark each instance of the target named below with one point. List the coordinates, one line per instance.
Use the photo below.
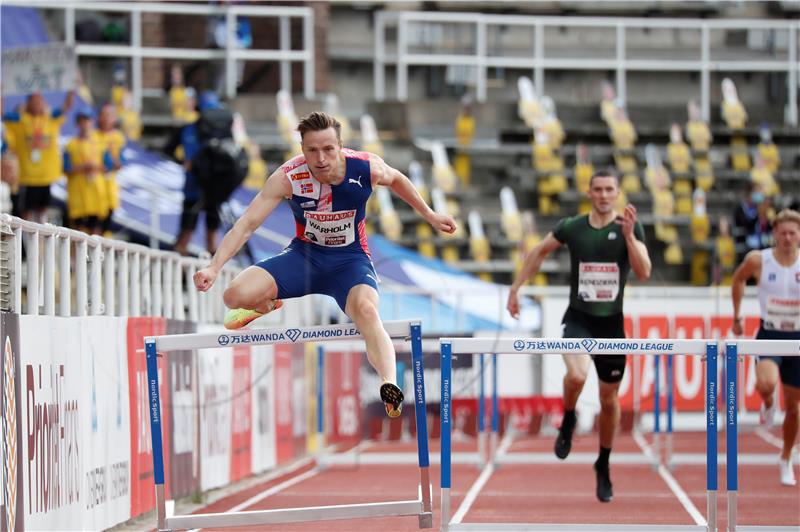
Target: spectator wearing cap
(85, 163)
(34, 130)
(752, 227)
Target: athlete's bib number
(782, 314)
(332, 229)
(598, 281)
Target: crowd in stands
(677, 178)
(33, 159)
(211, 144)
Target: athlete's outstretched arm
(638, 257)
(276, 188)
(750, 267)
(383, 174)
(530, 267)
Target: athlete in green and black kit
(603, 248)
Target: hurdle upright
(402, 329)
(578, 346)
(732, 350)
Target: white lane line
(768, 437)
(478, 485)
(268, 478)
(274, 489)
(270, 492)
(676, 488)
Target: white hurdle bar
(404, 329)
(732, 350)
(578, 346)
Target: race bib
(782, 314)
(332, 229)
(598, 281)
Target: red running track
(541, 492)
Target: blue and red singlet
(329, 254)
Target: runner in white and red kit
(777, 271)
(327, 188)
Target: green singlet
(599, 264)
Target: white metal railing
(136, 52)
(540, 58)
(69, 273)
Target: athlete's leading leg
(250, 295)
(362, 307)
(767, 373)
(791, 421)
(577, 370)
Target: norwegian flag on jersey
(306, 188)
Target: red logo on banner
(241, 414)
(283, 402)
(342, 409)
(689, 370)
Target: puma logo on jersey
(356, 181)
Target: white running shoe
(787, 472)
(767, 415)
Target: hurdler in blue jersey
(327, 188)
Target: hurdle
(402, 329)
(732, 349)
(668, 458)
(578, 346)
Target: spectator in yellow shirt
(35, 131)
(112, 141)
(85, 163)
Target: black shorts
(579, 324)
(30, 198)
(789, 367)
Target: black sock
(570, 414)
(602, 458)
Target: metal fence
(468, 40)
(69, 273)
(136, 52)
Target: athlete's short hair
(319, 121)
(604, 173)
(787, 215)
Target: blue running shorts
(304, 268)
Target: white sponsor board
(75, 428)
(48, 68)
(106, 435)
(216, 385)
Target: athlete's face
(322, 150)
(603, 193)
(787, 235)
